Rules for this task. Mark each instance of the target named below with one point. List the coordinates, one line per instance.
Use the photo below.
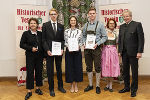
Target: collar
(72, 29)
(108, 30)
(129, 22)
(94, 22)
(33, 32)
(53, 22)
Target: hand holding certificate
(56, 48)
(90, 42)
(73, 44)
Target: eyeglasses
(53, 14)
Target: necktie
(54, 27)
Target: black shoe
(133, 94)
(124, 90)
(28, 95)
(52, 93)
(98, 90)
(62, 90)
(106, 88)
(111, 90)
(88, 88)
(39, 92)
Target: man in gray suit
(130, 45)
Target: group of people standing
(104, 54)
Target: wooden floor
(10, 91)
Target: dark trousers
(34, 61)
(127, 61)
(93, 56)
(50, 71)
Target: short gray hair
(127, 11)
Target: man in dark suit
(130, 47)
(53, 31)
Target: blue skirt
(73, 66)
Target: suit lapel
(38, 34)
(29, 31)
(51, 29)
(123, 33)
(123, 30)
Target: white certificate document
(56, 48)
(90, 42)
(73, 44)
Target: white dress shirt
(53, 24)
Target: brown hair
(34, 19)
(109, 22)
(53, 9)
(92, 8)
(76, 20)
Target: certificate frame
(56, 48)
(73, 44)
(90, 42)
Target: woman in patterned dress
(110, 60)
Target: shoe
(62, 90)
(133, 94)
(98, 90)
(76, 90)
(52, 93)
(39, 92)
(124, 90)
(111, 90)
(106, 88)
(88, 88)
(72, 90)
(28, 95)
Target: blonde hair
(53, 9)
(127, 11)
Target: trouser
(90, 56)
(93, 56)
(34, 61)
(50, 71)
(127, 61)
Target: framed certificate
(73, 44)
(56, 48)
(90, 42)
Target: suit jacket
(29, 40)
(48, 35)
(134, 38)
